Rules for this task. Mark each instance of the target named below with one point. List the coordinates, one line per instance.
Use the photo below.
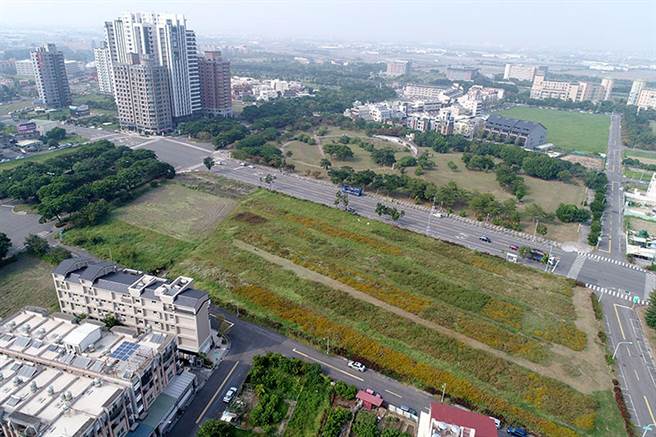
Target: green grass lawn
(645, 156)
(571, 131)
(27, 281)
(177, 211)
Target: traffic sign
(636, 299)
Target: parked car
(514, 247)
(408, 410)
(371, 392)
(496, 421)
(229, 394)
(517, 431)
(485, 238)
(357, 366)
(251, 166)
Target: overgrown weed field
(526, 315)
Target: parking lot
(19, 225)
(181, 155)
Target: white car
(251, 166)
(496, 421)
(229, 394)
(357, 366)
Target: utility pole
(443, 390)
(430, 214)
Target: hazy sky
(597, 25)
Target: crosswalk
(595, 257)
(615, 293)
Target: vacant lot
(26, 282)
(40, 157)
(646, 156)
(177, 211)
(423, 310)
(575, 131)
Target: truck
(355, 191)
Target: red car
(514, 247)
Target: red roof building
(449, 421)
(369, 401)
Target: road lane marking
(651, 414)
(636, 374)
(218, 390)
(327, 365)
(393, 394)
(619, 322)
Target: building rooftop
(58, 391)
(111, 277)
(513, 123)
(450, 421)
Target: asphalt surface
(248, 340)
(17, 226)
(635, 361)
(612, 240)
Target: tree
(524, 251)
(36, 245)
(407, 161)
(342, 199)
(5, 245)
(325, 163)
(568, 213)
(452, 166)
(341, 152)
(392, 212)
(365, 425)
(268, 179)
(209, 162)
(650, 315)
(111, 320)
(384, 157)
(215, 428)
(541, 229)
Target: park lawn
(569, 130)
(27, 281)
(304, 154)
(175, 210)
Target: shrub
(345, 391)
(335, 422)
(650, 315)
(365, 425)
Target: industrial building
(138, 300)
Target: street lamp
(618, 346)
(648, 428)
(443, 390)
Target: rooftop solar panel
(124, 350)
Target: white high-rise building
(165, 39)
(104, 69)
(636, 89)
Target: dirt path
(585, 383)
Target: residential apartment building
(397, 68)
(50, 76)
(8, 66)
(64, 378)
(563, 90)
(431, 93)
(103, 63)
(527, 134)
(215, 89)
(479, 98)
(165, 39)
(461, 73)
(521, 72)
(142, 301)
(636, 88)
(143, 100)
(647, 99)
(24, 68)
(607, 84)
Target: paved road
(248, 340)
(17, 226)
(612, 239)
(635, 361)
(607, 274)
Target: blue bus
(356, 191)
